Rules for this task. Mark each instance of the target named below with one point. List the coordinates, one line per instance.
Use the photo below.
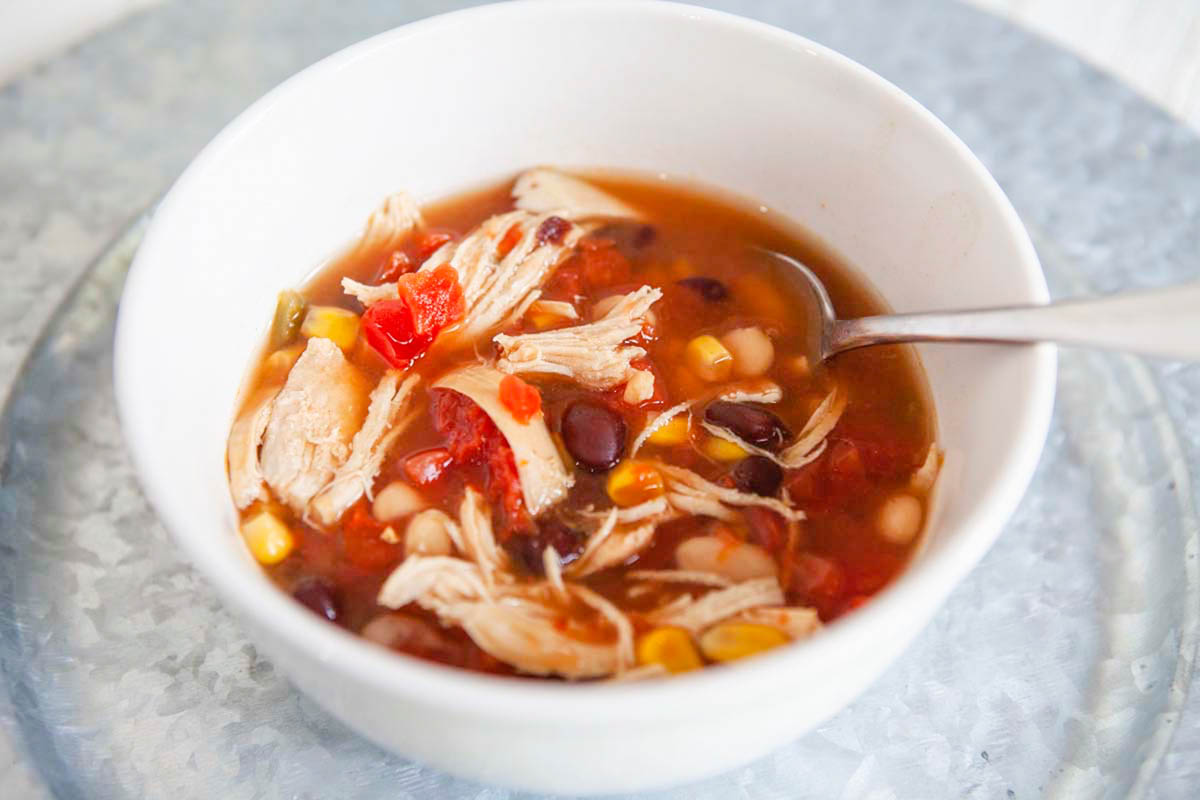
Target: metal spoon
(1159, 322)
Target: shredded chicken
(389, 224)
(474, 537)
(245, 474)
(544, 190)
(593, 354)
(557, 308)
(552, 566)
(819, 425)
(370, 295)
(759, 391)
(544, 479)
(922, 480)
(493, 286)
(686, 491)
(643, 672)
(657, 424)
(518, 623)
(680, 576)
(611, 546)
(698, 614)
(809, 445)
(533, 643)
(390, 400)
(313, 419)
(436, 582)
(797, 622)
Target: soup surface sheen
(491, 513)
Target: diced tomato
(523, 400)
(509, 240)
(429, 243)
(388, 328)
(817, 581)
(567, 281)
(472, 438)
(604, 266)
(428, 466)
(435, 298)
(857, 601)
(397, 264)
(360, 538)
(768, 529)
(402, 330)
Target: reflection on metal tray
(1053, 669)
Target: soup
(567, 427)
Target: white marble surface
(90, 139)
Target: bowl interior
(452, 101)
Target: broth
(858, 491)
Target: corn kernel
(730, 641)
(719, 449)
(331, 322)
(708, 359)
(671, 648)
(674, 432)
(634, 482)
(268, 538)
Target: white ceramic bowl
(451, 101)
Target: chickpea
(899, 518)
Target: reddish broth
(834, 561)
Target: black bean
(318, 596)
(754, 425)
(594, 435)
(710, 289)
(552, 229)
(528, 550)
(644, 236)
(758, 474)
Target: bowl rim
(917, 592)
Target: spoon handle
(1160, 322)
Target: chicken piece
(245, 473)
(680, 576)
(313, 420)
(926, 475)
(475, 538)
(437, 583)
(696, 615)
(533, 643)
(610, 546)
(390, 400)
(819, 426)
(495, 283)
(796, 621)
(592, 355)
(544, 479)
(689, 493)
(388, 225)
(544, 190)
(369, 295)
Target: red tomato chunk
(402, 330)
(520, 398)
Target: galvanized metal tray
(1059, 668)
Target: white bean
(737, 561)
(428, 534)
(396, 500)
(899, 518)
(752, 351)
